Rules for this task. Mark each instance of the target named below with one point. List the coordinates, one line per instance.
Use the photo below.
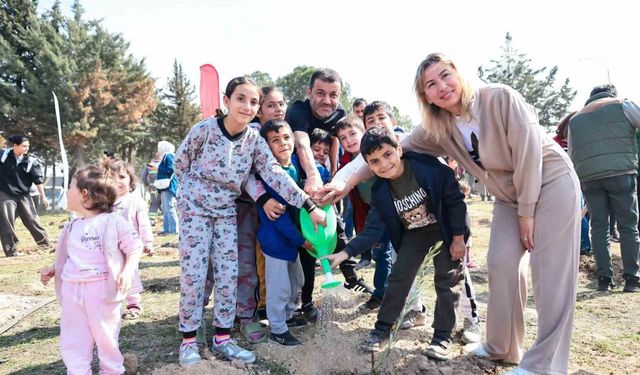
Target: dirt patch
(588, 268)
(213, 366)
(14, 306)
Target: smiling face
(281, 145)
(320, 152)
(442, 87)
(350, 139)
(273, 107)
(324, 98)
(243, 103)
(386, 162)
(379, 118)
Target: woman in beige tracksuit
(496, 136)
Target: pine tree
(536, 85)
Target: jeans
(169, 213)
(381, 253)
(585, 242)
(347, 214)
(618, 195)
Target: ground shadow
(163, 284)
(35, 333)
(53, 368)
(169, 263)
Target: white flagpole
(63, 152)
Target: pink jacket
(133, 208)
(118, 239)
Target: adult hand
(526, 225)
(337, 258)
(312, 184)
(331, 192)
(458, 248)
(46, 274)
(273, 209)
(45, 202)
(318, 217)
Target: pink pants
(87, 320)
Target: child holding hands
(96, 259)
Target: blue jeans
(381, 254)
(169, 213)
(618, 195)
(347, 216)
(585, 243)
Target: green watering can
(324, 241)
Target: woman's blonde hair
(435, 120)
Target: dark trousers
(348, 267)
(448, 280)
(24, 207)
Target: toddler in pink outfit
(133, 208)
(96, 258)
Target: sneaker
(614, 236)
(363, 263)
(372, 304)
(286, 339)
(480, 352)
(310, 312)
(632, 284)
(359, 286)
(230, 350)
(414, 319)
(472, 332)
(189, 354)
(439, 350)
(605, 284)
(377, 340)
(297, 321)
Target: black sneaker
(296, 321)
(286, 339)
(632, 284)
(605, 284)
(439, 350)
(359, 286)
(377, 340)
(372, 304)
(363, 263)
(310, 312)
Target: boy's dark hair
(17, 139)
(358, 101)
(376, 105)
(99, 189)
(374, 138)
(273, 126)
(349, 121)
(608, 88)
(325, 75)
(113, 166)
(319, 135)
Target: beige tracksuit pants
(554, 271)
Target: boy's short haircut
(358, 102)
(349, 121)
(322, 136)
(375, 106)
(274, 126)
(375, 138)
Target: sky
(376, 46)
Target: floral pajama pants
(203, 239)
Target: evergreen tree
(294, 85)
(261, 78)
(536, 85)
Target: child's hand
(318, 217)
(47, 273)
(149, 251)
(309, 246)
(337, 258)
(273, 209)
(124, 280)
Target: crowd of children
(239, 201)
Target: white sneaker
(230, 350)
(480, 352)
(472, 332)
(189, 354)
(520, 371)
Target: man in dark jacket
(418, 202)
(603, 148)
(18, 172)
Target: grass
(606, 337)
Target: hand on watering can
(310, 249)
(337, 258)
(318, 217)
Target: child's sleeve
(128, 240)
(453, 201)
(274, 176)
(190, 147)
(145, 232)
(285, 227)
(372, 233)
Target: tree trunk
(79, 157)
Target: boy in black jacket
(416, 199)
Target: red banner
(209, 91)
